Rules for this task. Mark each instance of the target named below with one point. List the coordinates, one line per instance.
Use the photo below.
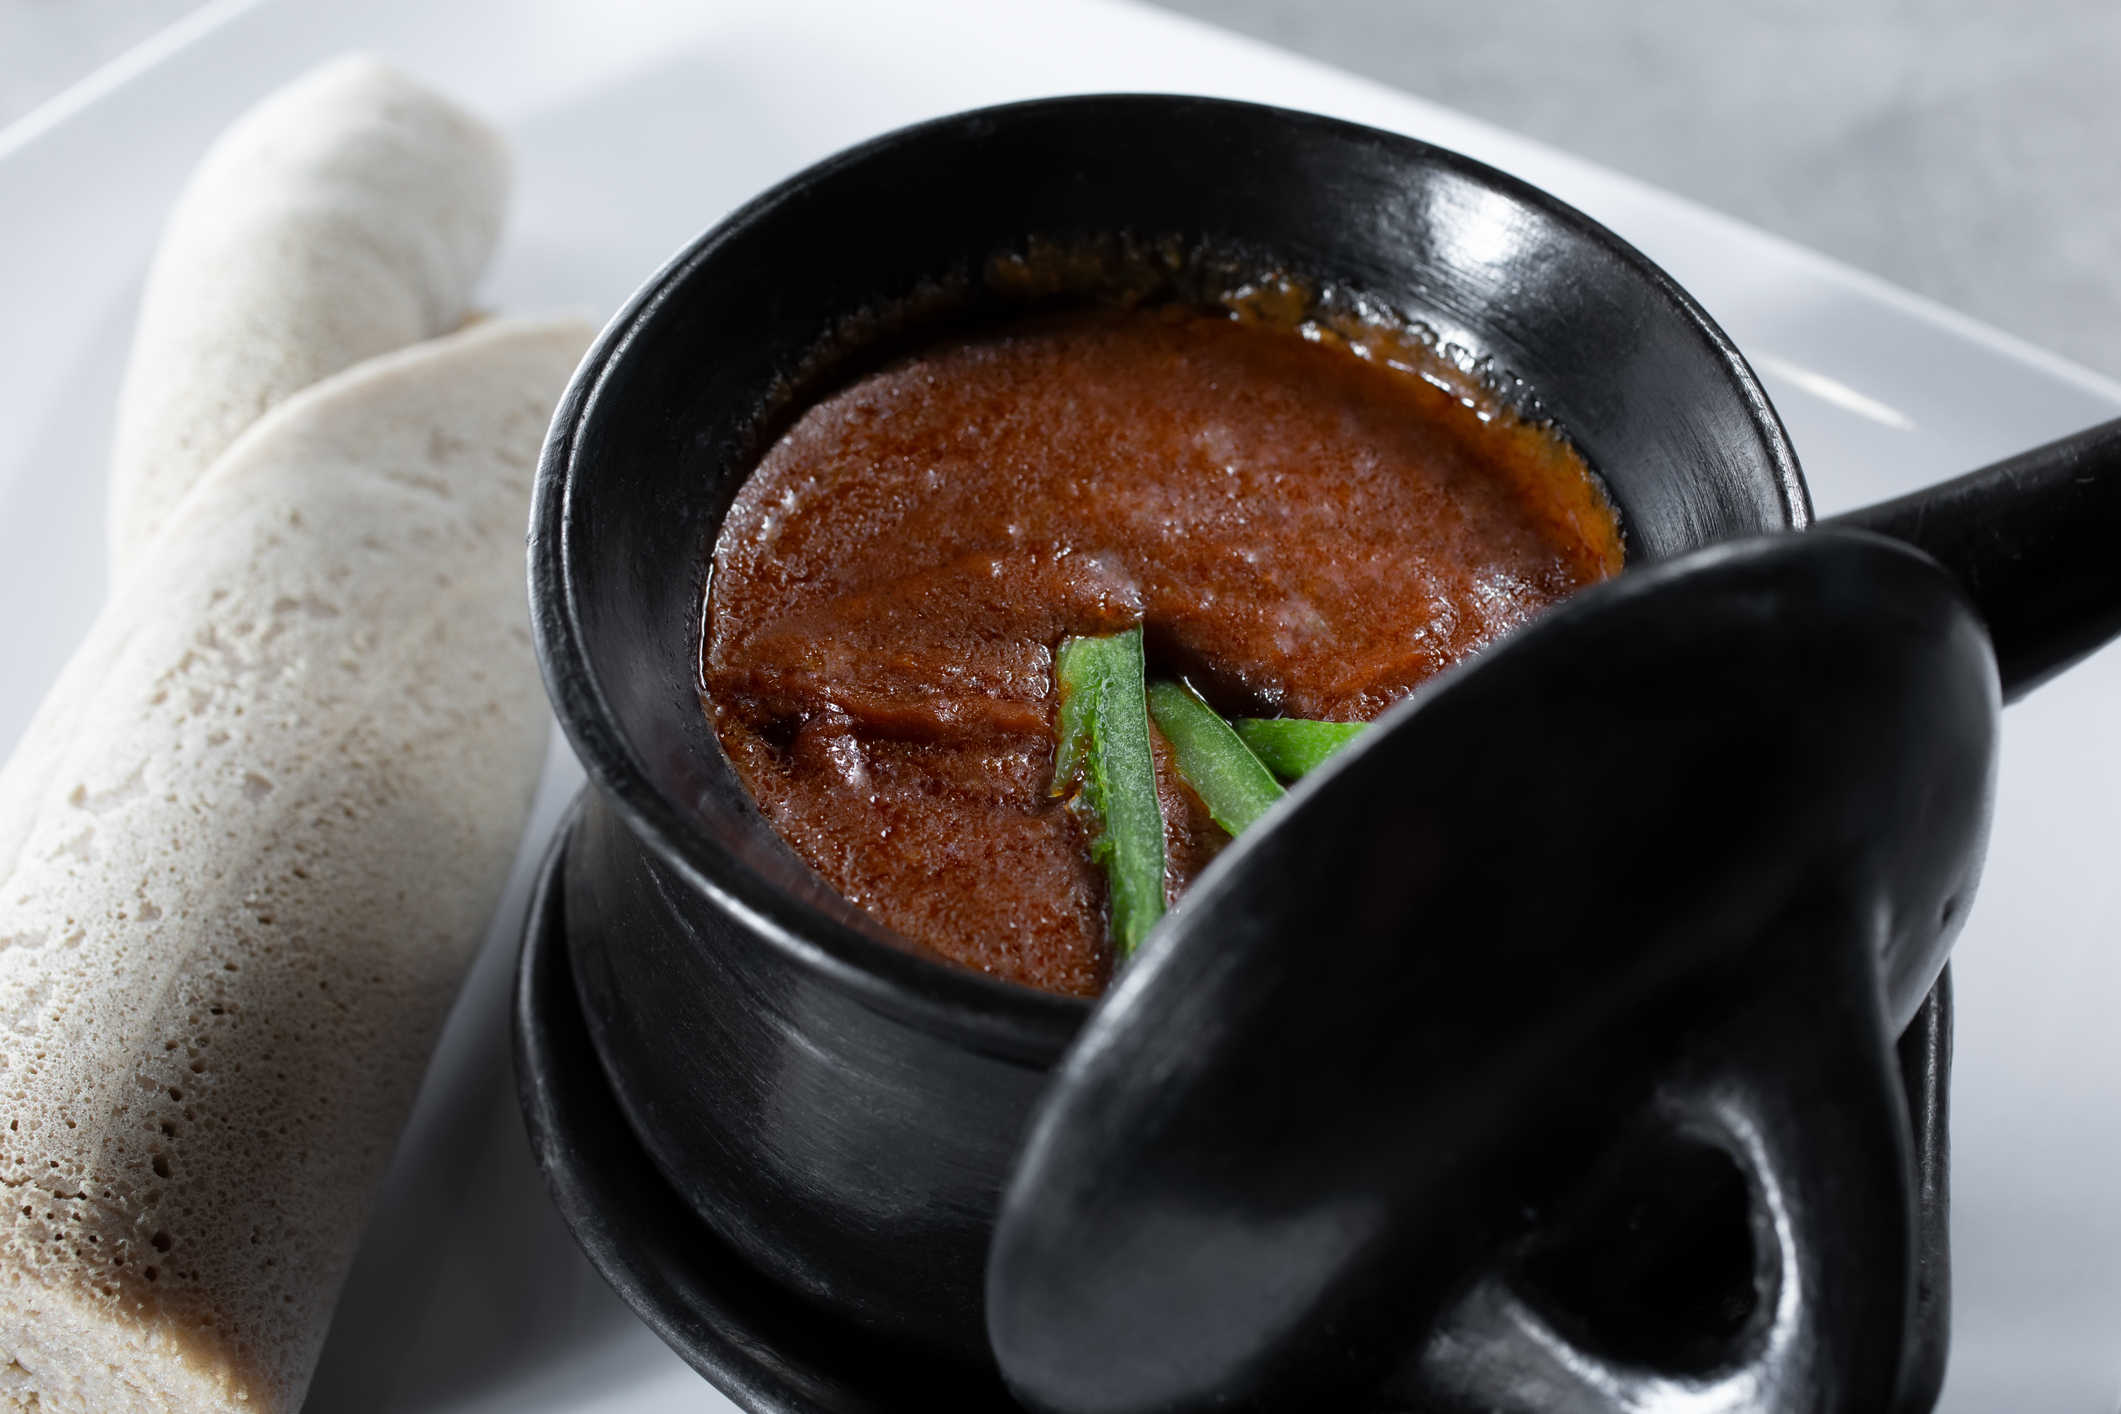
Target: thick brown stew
(1309, 522)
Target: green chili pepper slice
(1214, 760)
(1103, 754)
(1292, 748)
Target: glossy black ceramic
(840, 1110)
(767, 1349)
(1635, 1290)
(2032, 540)
(774, 1354)
(1389, 1033)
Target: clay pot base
(771, 1353)
(762, 1347)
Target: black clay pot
(841, 1110)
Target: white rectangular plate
(638, 123)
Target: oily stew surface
(1302, 531)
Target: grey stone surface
(1966, 149)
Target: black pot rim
(899, 981)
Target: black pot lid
(1672, 865)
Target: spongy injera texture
(345, 216)
(246, 850)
